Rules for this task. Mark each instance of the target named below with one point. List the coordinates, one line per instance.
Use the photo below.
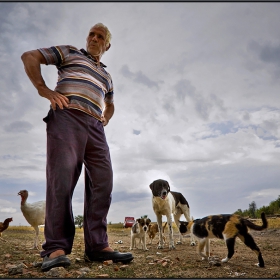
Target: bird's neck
(23, 200)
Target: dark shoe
(105, 256)
(55, 262)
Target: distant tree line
(253, 212)
(79, 221)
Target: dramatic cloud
(138, 77)
(18, 126)
(196, 96)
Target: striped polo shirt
(87, 85)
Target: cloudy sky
(196, 96)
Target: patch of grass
(274, 223)
(23, 228)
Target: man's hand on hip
(54, 97)
(104, 121)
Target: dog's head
(160, 188)
(183, 227)
(144, 223)
(152, 228)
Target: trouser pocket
(47, 118)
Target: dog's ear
(149, 221)
(133, 228)
(168, 186)
(152, 186)
(138, 220)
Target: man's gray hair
(108, 33)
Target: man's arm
(32, 61)
(107, 113)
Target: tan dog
(153, 230)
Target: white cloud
(196, 96)
(8, 210)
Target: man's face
(96, 41)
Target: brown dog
(153, 230)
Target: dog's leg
(192, 239)
(144, 243)
(186, 212)
(249, 241)
(177, 216)
(149, 233)
(140, 243)
(200, 248)
(230, 246)
(171, 240)
(159, 222)
(207, 247)
(132, 241)
(151, 238)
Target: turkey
(4, 226)
(34, 213)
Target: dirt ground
(17, 261)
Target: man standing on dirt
(81, 104)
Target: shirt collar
(92, 58)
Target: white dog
(166, 202)
(139, 230)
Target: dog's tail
(256, 227)
(164, 227)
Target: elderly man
(81, 104)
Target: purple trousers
(73, 139)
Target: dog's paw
(225, 260)
(172, 247)
(192, 243)
(179, 243)
(160, 247)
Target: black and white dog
(166, 202)
(227, 227)
(139, 230)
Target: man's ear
(108, 47)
